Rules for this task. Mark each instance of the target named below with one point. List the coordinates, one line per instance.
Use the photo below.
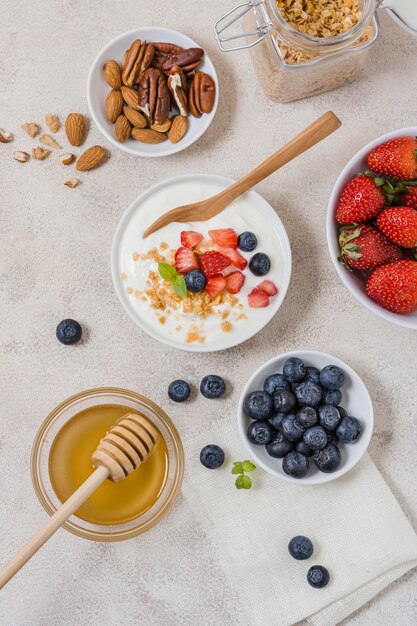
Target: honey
(70, 464)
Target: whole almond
(134, 117)
(131, 97)
(21, 156)
(178, 128)
(75, 128)
(147, 135)
(5, 136)
(114, 105)
(39, 153)
(122, 128)
(52, 122)
(162, 128)
(31, 128)
(112, 74)
(90, 159)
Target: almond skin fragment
(112, 74)
(178, 128)
(90, 159)
(48, 141)
(5, 136)
(75, 128)
(72, 182)
(114, 105)
(134, 117)
(52, 122)
(67, 158)
(39, 153)
(20, 156)
(122, 128)
(31, 128)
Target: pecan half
(183, 58)
(137, 59)
(202, 94)
(177, 84)
(154, 96)
(164, 50)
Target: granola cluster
(320, 18)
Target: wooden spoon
(204, 210)
(127, 444)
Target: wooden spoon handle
(310, 136)
(51, 526)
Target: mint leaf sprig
(240, 467)
(170, 274)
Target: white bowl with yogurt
(131, 263)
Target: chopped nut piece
(67, 158)
(39, 153)
(52, 122)
(31, 128)
(5, 136)
(20, 156)
(123, 276)
(48, 141)
(226, 327)
(72, 182)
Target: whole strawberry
(410, 198)
(397, 158)
(400, 225)
(363, 247)
(394, 286)
(360, 200)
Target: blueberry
(212, 456)
(329, 416)
(275, 383)
(195, 281)
(68, 332)
(332, 397)
(276, 420)
(295, 464)
(312, 373)
(327, 460)
(300, 548)
(291, 428)
(307, 416)
(247, 241)
(260, 264)
(331, 437)
(315, 438)
(308, 393)
(260, 432)
(212, 386)
(342, 411)
(179, 390)
(300, 446)
(294, 370)
(349, 430)
(332, 377)
(318, 576)
(258, 405)
(278, 447)
(284, 401)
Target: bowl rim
(401, 320)
(226, 344)
(308, 355)
(173, 148)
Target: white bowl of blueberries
(306, 417)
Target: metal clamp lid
(234, 16)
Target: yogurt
(229, 323)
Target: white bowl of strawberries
(372, 226)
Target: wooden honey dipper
(127, 444)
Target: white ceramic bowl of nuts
(152, 91)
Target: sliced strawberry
(215, 285)
(234, 282)
(269, 287)
(258, 298)
(234, 257)
(213, 263)
(186, 260)
(224, 237)
(191, 239)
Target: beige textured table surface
(54, 263)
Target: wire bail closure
(235, 15)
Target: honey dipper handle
(58, 518)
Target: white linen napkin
(358, 530)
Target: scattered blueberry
(318, 576)
(312, 373)
(329, 416)
(276, 420)
(307, 416)
(278, 446)
(247, 241)
(327, 460)
(315, 438)
(212, 386)
(308, 393)
(260, 432)
(294, 370)
(195, 281)
(284, 401)
(291, 428)
(332, 377)
(179, 390)
(300, 548)
(349, 430)
(295, 464)
(333, 397)
(212, 456)
(275, 383)
(258, 405)
(260, 264)
(68, 332)
(300, 446)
